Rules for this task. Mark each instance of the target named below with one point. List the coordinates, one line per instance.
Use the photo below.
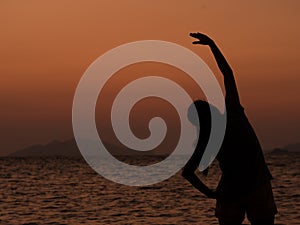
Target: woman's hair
(203, 123)
(201, 117)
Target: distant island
(286, 149)
(293, 147)
(56, 148)
(69, 148)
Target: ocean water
(68, 191)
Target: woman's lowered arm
(188, 173)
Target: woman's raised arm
(232, 97)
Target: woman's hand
(202, 39)
(213, 194)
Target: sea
(61, 190)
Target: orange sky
(45, 46)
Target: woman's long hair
(203, 124)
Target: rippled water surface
(68, 191)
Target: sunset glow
(46, 46)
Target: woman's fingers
(196, 42)
(195, 35)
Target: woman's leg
(266, 221)
(230, 222)
(260, 206)
(229, 211)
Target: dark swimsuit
(240, 157)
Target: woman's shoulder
(235, 112)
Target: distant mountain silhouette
(287, 149)
(293, 147)
(279, 151)
(59, 148)
(54, 148)
(69, 149)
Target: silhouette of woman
(245, 186)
